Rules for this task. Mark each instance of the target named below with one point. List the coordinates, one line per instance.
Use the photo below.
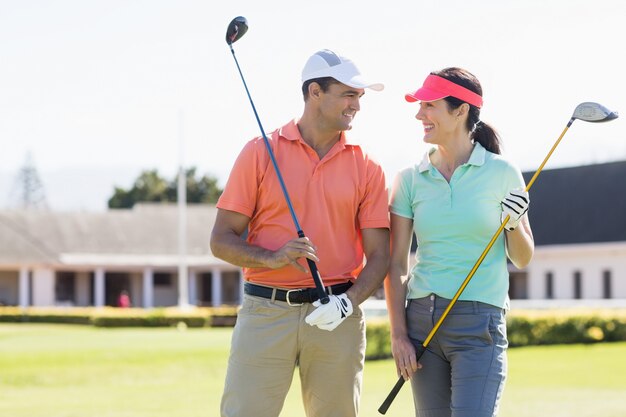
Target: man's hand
(330, 315)
(292, 251)
(515, 204)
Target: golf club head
(593, 112)
(236, 29)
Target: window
(205, 292)
(65, 286)
(606, 284)
(518, 284)
(162, 279)
(578, 285)
(549, 285)
(230, 287)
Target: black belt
(295, 296)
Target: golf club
(236, 29)
(588, 112)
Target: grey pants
(464, 366)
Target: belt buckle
(289, 302)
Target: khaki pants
(270, 339)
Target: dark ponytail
(486, 136)
(480, 131)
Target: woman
(454, 200)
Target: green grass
(82, 371)
(63, 371)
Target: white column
(43, 287)
(23, 287)
(193, 288)
(99, 287)
(148, 288)
(216, 287)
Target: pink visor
(436, 88)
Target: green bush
(148, 321)
(223, 316)
(524, 327)
(31, 315)
(378, 340)
(160, 317)
(530, 328)
(523, 331)
(126, 317)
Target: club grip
(419, 351)
(319, 286)
(317, 279)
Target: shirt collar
(290, 131)
(425, 164)
(477, 157)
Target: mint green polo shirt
(454, 222)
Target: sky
(98, 90)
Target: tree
(28, 186)
(151, 187)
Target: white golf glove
(330, 315)
(515, 205)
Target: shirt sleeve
(240, 192)
(514, 179)
(374, 209)
(401, 195)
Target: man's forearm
(370, 279)
(237, 251)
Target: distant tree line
(151, 187)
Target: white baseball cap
(326, 63)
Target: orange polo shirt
(333, 198)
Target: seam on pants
(492, 403)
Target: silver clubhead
(593, 112)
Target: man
(340, 198)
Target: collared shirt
(333, 199)
(454, 222)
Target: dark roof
(584, 204)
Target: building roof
(583, 204)
(148, 233)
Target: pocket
(419, 324)
(261, 307)
(468, 329)
(357, 312)
(497, 329)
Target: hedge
(115, 317)
(525, 328)
(524, 331)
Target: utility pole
(183, 280)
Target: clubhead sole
(593, 112)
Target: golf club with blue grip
(236, 29)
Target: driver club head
(236, 29)
(593, 112)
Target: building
(88, 259)
(578, 216)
